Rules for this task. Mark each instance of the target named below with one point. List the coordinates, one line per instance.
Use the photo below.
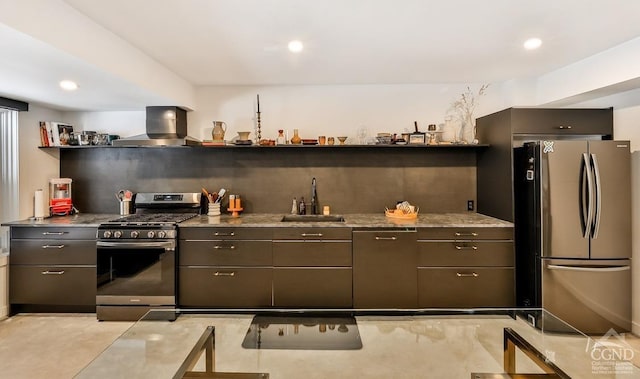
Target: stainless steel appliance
(165, 126)
(136, 265)
(573, 231)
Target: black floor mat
(303, 333)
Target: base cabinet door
(241, 287)
(384, 269)
(52, 285)
(305, 287)
(465, 287)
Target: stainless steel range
(136, 265)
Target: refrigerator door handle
(588, 207)
(598, 197)
(589, 269)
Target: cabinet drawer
(226, 233)
(562, 121)
(55, 233)
(465, 287)
(312, 287)
(465, 253)
(52, 285)
(466, 233)
(225, 253)
(224, 287)
(306, 233)
(311, 253)
(53, 252)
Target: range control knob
(107, 234)
(162, 234)
(117, 234)
(151, 234)
(134, 234)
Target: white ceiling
(243, 42)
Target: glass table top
(427, 344)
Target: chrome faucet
(314, 198)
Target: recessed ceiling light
(532, 43)
(68, 85)
(295, 46)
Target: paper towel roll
(38, 204)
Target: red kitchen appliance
(60, 196)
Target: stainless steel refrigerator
(573, 231)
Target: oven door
(136, 273)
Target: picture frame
(65, 133)
(417, 139)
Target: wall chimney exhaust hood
(166, 126)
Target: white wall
(36, 165)
(124, 123)
(593, 76)
(335, 110)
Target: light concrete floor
(53, 346)
(60, 345)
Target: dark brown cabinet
(52, 268)
(312, 287)
(224, 287)
(511, 127)
(225, 267)
(466, 267)
(312, 267)
(384, 269)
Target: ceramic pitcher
(219, 128)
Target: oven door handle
(138, 245)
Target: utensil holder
(214, 209)
(125, 207)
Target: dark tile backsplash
(350, 180)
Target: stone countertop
(81, 219)
(365, 220)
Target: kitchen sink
(312, 218)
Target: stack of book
(55, 134)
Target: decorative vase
(219, 128)
(449, 130)
(468, 131)
(296, 140)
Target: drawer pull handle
(473, 247)
(53, 233)
(564, 127)
(386, 238)
(311, 234)
(472, 234)
(224, 234)
(221, 273)
(467, 275)
(219, 247)
(52, 246)
(53, 272)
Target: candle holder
(235, 212)
(258, 131)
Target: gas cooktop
(145, 219)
